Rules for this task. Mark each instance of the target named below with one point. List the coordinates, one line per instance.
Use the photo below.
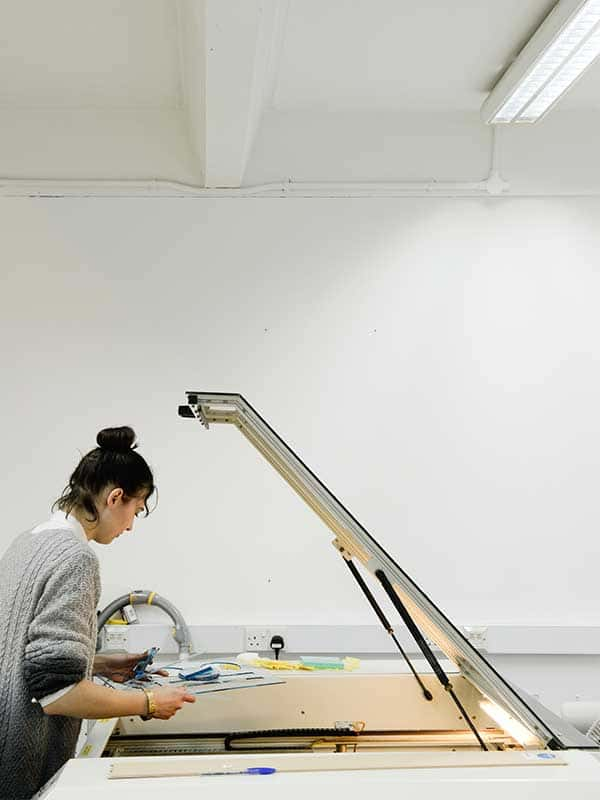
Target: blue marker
(249, 771)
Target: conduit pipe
(493, 185)
(46, 188)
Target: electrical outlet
(476, 635)
(116, 637)
(257, 639)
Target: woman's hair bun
(116, 440)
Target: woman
(49, 592)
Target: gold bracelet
(150, 704)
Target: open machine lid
(356, 544)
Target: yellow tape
(271, 663)
(150, 598)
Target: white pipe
(160, 188)
(493, 186)
(496, 184)
(151, 187)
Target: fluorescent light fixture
(558, 53)
(512, 726)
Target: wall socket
(476, 635)
(259, 639)
(116, 637)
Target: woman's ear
(114, 496)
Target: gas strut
(425, 649)
(384, 621)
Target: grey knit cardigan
(49, 592)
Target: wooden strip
(180, 766)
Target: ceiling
(223, 93)
(80, 53)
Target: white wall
(552, 679)
(435, 362)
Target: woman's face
(116, 514)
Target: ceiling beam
(191, 24)
(240, 42)
(229, 54)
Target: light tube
(512, 726)
(559, 52)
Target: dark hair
(113, 463)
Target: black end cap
(186, 411)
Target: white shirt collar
(60, 521)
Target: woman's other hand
(119, 667)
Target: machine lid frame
(354, 541)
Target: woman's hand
(169, 699)
(119, 667)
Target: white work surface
(578, 778)
(447, 774)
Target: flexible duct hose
(181, 632)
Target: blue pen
(249, 771)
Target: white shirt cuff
(50, 698)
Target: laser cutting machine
(446, 724)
